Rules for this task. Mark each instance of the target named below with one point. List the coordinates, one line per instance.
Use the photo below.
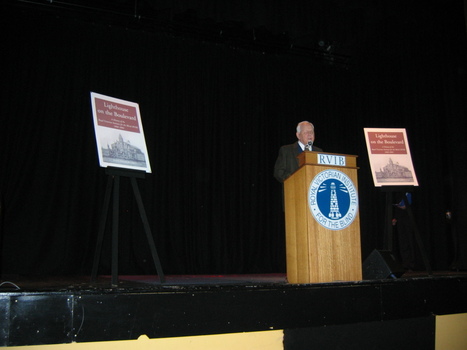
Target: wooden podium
(316, 253)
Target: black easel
(114, 175)
(388, 236)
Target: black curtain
(215, 112)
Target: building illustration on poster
(123, 152)
(390, 158)
(394, 172)
(119, 133)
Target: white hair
(299, 125)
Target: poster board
(119, 133)
(390, 158)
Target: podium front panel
(318, 249)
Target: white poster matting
(390, 158)
(119, 133)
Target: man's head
(305, 132)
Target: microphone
(309, 146)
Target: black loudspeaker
(381, 264)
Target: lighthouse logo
(333, 199)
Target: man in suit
(287, 161)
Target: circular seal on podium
(333, 199)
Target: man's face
(307, 133)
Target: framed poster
(390, 159)
(119, 133)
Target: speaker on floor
(381, 264)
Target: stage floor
(152, 282)
(53, 310)
(133, 282)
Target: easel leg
(116, 203)
(114, 178)
(147, 230)
(418, 237)
(100, 236)
(388, 228)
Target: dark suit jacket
(287, 162)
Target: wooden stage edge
(66, 310)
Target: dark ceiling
(335, 29)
